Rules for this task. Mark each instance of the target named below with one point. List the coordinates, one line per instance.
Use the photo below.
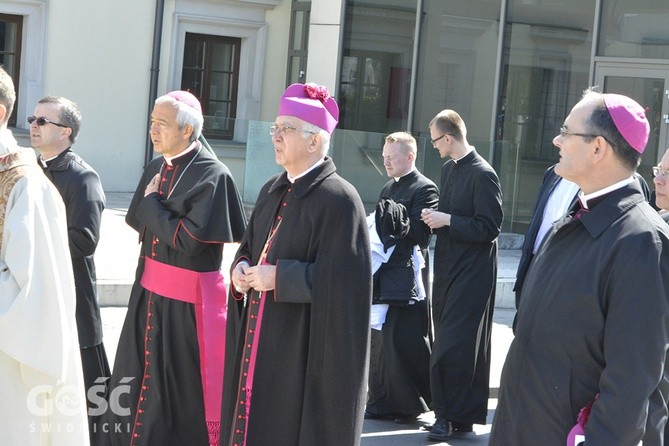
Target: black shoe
(462, 428)
(406, 419)
(376, 416)
(440, 431)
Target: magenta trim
(252, 363)
(207, 292)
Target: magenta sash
(207, 292)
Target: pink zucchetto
(311, 103)
(186, 98)
(630, 120)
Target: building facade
(511, 68)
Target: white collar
(585, 198)
(402, 176)
(296, 177)
(469, 149)
(168, 159)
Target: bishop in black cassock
(167, 380)
(298, 315)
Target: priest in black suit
(467, 223)
(399, 379)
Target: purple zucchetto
(186, 98)
(630, 120)
(311, 103)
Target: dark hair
(601, 123)
(68, 114)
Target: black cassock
(399, 379)
(463, 293)
(303, 347)
(197, 210)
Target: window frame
(206, 71)
(16, 71)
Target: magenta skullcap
(630, 120)
(187, 98)
(311, 103)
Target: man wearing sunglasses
(54, 127)
(39, 365)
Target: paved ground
(116, 260)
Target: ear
(3, 113)
(187, 131)
(314, 143)
(602, 148)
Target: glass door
(649, 86)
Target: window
(10, 51)
(211, 72)
(299, 39)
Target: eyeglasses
(285, 128)
(434, 141)
(564, 133)
(43, 121)
(657, 172)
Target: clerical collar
(297, 177)
(469, 150)
(46, 162)
(168, 159)
(620, 184)
(399, 178)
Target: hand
(261, 277)
(238, 277)
(435, 219)
(153, 185)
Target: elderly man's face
(291, 148)
(662, 183)
(575, 151)
(166, 136)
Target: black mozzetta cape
(312, 349)
(197, 210)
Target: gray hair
(186, 115)
(309, 129)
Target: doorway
(649, 86)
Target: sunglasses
(43, 121)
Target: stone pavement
(116, 260)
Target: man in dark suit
(553, 201)
(54, 128)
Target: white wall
(98, 54)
